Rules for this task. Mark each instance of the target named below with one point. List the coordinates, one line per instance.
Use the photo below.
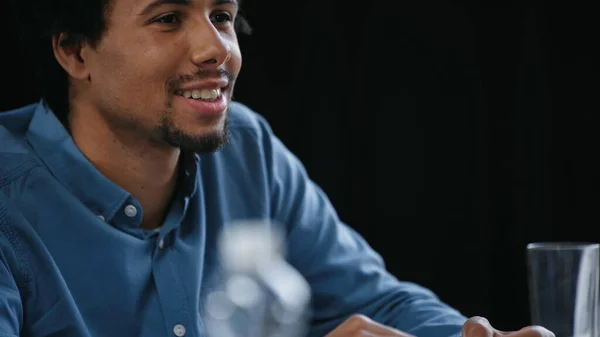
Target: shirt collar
(56, 148)
(54, 145)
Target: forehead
(156, 3)
(128, 9)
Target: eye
(221, 17)
(168, 19)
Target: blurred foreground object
(261, 295)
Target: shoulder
(255, 149)
(245, 120)
(249, 130)
(251, 138)
(16, 155)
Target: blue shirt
(74, 261)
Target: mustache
(200, 75)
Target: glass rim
(563, 245)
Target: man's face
(165, 70)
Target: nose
(209, 49)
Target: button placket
(172, 296)
(179, 330)
(131, 211)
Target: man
(115, 185)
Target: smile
(208, 95)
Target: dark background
(449, 134)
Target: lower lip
(207, 109)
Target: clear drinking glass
(564, 287)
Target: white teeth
(197, 94)
(203, 94)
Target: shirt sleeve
(11, 310)
(345, 274)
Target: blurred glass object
(261, 294)
(564, 287)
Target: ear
(70, 56)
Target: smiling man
(115, 185)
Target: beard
(200, 144)
(169, 133)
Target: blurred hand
(481, 327)
(362, 326)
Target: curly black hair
(81, 21)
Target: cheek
(235, 63)
(113, 70)
(133, 75)
(139, 57)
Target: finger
(360, 325)
(531, 331)
(477, 326)
(383, 330)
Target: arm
(346, 275)
(11, 310)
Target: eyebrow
(157, 3)
(226, 2)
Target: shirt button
(101, 217)
(179, 330)
(130, 211)
(161, 243)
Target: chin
(203, 139)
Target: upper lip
(208, 84)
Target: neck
(146, 170)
